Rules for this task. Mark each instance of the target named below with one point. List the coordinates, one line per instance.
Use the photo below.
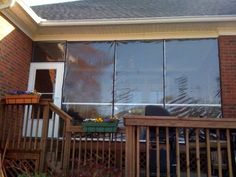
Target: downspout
(5, 4)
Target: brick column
(227, 49)
(15, 56)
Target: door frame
(59, 66)
(53, 124)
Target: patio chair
(151, 110)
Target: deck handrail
(217, 138)
(62, 114)
(164, 121)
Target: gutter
(133, 21)
(6, 4)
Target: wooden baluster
(37, 127)
(91, 148)
(85, 150)
(158, 151)
(11, 125)
(177, 153)
(21, 120)
(44, 136)
(97, 148)
(57, 149)
(187, 152)
(3, 123)
(115, 150)
(208, 152)
(66, 150)
(147, 152)
(138, 153)
(109, 151)
(52, 135)
(103, 148)
(229, 153)
(198, 153)
(219, 157)
(73, 156)
(64, 136)
(80, 149)
(26, 124)
(32, 108)
(16, 119)
(167, 152)
(121, 152)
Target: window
(192, 83)
(88, 84)
(49, 51)
(115, 78)
(138, 76)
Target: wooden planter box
(108, 127)
(22, 99)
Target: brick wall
(227, 49)
(15, 56)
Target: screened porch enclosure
(117, 77)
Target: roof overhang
(115, 29)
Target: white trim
(30, 12)
(59, 67)
(130, 21)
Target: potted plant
(107, 124)
(22, 97)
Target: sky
(40, 2)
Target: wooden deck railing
(46, 133)
(146, 146)
(74, 152)
(204, 141)
(23, 135)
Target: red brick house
(109, 58)
(50, 23)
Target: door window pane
(45, 80)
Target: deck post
(130, 157)
(44, 136)
(66, 157)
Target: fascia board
(30, 12)
(131, 21)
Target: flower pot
(22, 99)
(108, 127)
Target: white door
(46, 78)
